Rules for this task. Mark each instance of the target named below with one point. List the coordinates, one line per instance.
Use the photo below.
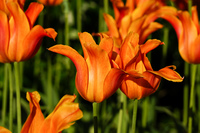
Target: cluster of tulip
(119, 61)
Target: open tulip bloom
(95, 80)
(188, 32)
(19, 38)
(62, 117)
(132, 57)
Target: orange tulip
(133, 58)
(19, 39)
(61, 118)
(188, 32)
(96, 80)
(50, 2)
(140, 20)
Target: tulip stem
(95, 117)
(191, 106)
(5, 93)
(16, 66)
(135, 106)
(10, 96)
(119, 127)
(185, 94)
(78, 14)
(66, 11)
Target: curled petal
(33, 11)
(150, 45)
(168, 74)
(81, 66)
(33, 41)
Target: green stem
(119, 127)
(94, 104)
(106, 5)
(5, 93)
(144, 112)
(10, 97)
(191, 106)
(135, 106)
(66, 10)
(190, 6)
(125, 115)
(78, 14)
(17, 77)
(198, 94)
(185, 94)
(49, 84)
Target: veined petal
(63, 115)
(168, 74)
(35, 118)
(4, 130)
(146, 31)
(82, 75)
(112, 26)
(98, 65)
(19, 28)
(32, 42)
(150, 45)
(33, 11)
(4, 37)
(85, 38)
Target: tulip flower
(188, 32)
(50, 2)
(19, 38)
(61, 118)
(140, 20)
(95, 80)
(133, 58)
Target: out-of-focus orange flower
(188, 32)
(19, 39)
(50, 2)
(140, 20)
(62, 117)
(96, 80)
(132, 57)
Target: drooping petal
(98, 65)
(82, 75)
(35, 118)
(33, 40)
(150, 45)
(63, 115)
(19, 28)
(112, 26)
(4, 37)
(168, 74)
(33, 11)
(4, 130)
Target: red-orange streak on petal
(99, 65)
(82, 75)
(19, 28)
(35, 119)
(33, 41)
(168, 74)
(4, 37)
(33, 11)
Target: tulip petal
(150, 45)
(112, 26)
(195, 47)
(4, 130)
(63, 115)
(4, 37)
(107, 45)
(33, 41)
(98, 65)
(81, 66)
(35, 118)
(33, 11)
(124, 27)
(195, 18)
(19, 28)
(168, 74)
